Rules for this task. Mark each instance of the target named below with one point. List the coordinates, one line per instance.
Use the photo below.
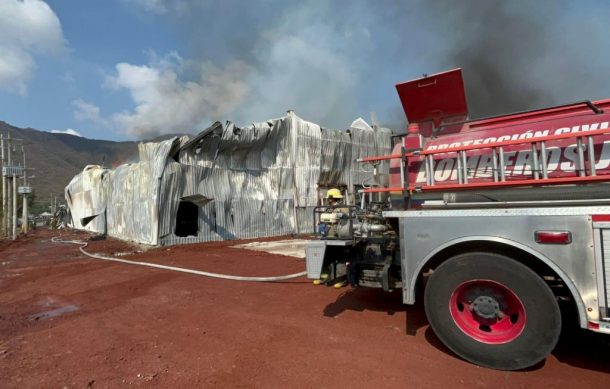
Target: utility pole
(24, 220)
(14, 179)
(8, 186)
(3, 161)
(10, 175)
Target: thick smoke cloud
(497, 62)
(520, 55)
(334, 62)
(252, 66)
(167, 104)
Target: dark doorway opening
(186, 219)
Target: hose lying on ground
(84, 244)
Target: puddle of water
(11, 275)
(122, 254)
(291, 248)
(47, 301)
(54, 312)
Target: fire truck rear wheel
(492, 311)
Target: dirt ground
(70, 321)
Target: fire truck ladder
(585, 167)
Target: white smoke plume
(334, 61)
(298, 61)
(166, 103)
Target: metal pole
(494, 163)
(535, 165)
(543, 162)
(9, 206)
(581, 158)
(14, 207)
(4, 221)
(24, 222)
(501, 161)
(591, 151)
(9, 196)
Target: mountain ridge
(55, 158)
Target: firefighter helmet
(334, 193)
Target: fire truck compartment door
(434, 97)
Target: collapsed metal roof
(225, 183)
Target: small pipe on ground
(84, 244)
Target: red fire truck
(496, 223)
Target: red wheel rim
(487, 311)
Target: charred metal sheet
(260, 180)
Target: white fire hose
(84, 244)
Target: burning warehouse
(226, 182)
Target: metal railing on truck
(539, 170)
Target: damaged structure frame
(227, 182)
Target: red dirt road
(69, 321)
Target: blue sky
(133, 69)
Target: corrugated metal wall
(263, 180)
(86, 197)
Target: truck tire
(492, 311)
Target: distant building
(225, 183)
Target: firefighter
(330, 217)
(334, 197)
